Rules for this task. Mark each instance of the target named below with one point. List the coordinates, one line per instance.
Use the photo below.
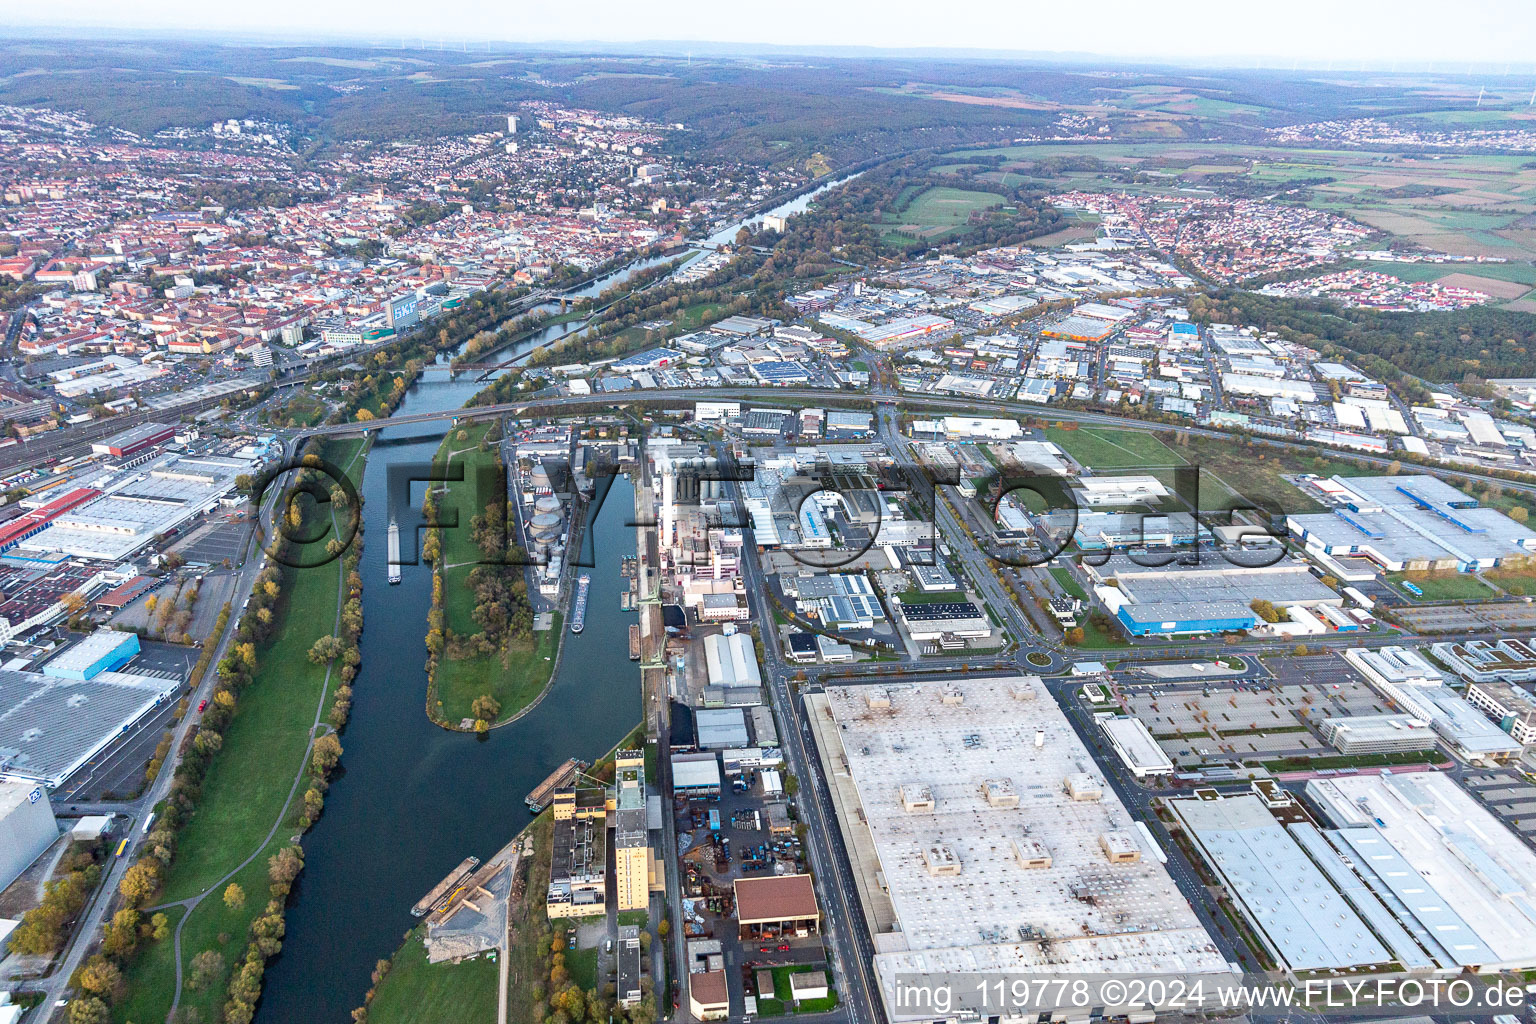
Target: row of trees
(100, 978)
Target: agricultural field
(1465, 205)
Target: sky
(1348, 33)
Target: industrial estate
(546, 537)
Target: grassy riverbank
(417, 992)
(516, 674)
(247, 790)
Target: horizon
(1487, 36)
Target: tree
(485, 706)
(207, 968)
(1264, 610)
(100, 977)
(327, 754)
(1519, 514)
(88, 1010)
(139, 883)
(326, 649)
(1300, 650)
(234, 896)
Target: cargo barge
(442, 890)
(579, 610)
(561, 777)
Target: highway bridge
(547, 404)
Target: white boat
(579, 612)
(394, 552)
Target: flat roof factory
(50, 727)
(1412, 523)
(985, 840)
(1458, 879)
(1295, 910)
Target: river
(411, 799)
(724, 236)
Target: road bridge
(548, 404)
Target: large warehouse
(27, 828)
(1212, 597)
(102, 651)
(1412, 523)
(50, 727)
(1456, 877)
(134, 440)
(982, 839)
(1295, 910)
(140, 504)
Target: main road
(83, 940)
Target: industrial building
(634, 865)
(943, 621)
(709, 997)
(27, 828)
(1415, 686)
(1131, 740)
(134, 440)
(1454, 876)
(1417, 523)
(731, 660)
(1377, 734)
(842, 601)
(1511, 707)
(1482, 661)
(776, 905)
(696, 775)
(1297, 913)
(103, 651)
(50, 727)
(983, 841)
(720, 728)
(1211, 597)
(1117, 490)
(578, 868)
(140, 504)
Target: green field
(1441, 586)
(1521, 582)
(418, 992)
(1065, 581)
(1514, 272)
(935, 213)
(247, 788)
(517, 679)
(1098, 448)
(1463, 204)
(1301, 764)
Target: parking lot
(1472, 617)
(1509, 796)
(216, 543)
(1252, 720)
(743, 846)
